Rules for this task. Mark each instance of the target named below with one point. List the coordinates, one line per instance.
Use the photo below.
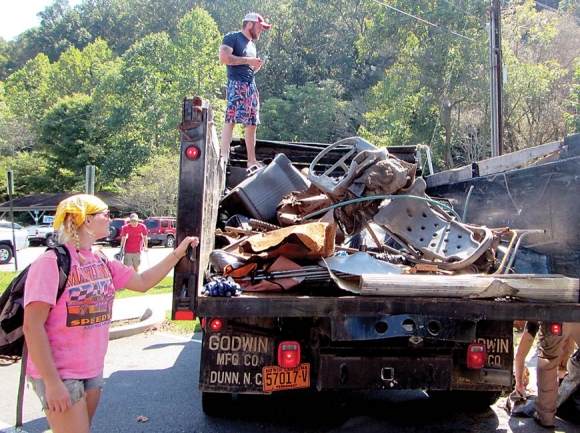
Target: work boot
(544, 424)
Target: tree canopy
(101, 83)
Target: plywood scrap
(304, 241)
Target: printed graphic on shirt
(90, 296)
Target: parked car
(8, 225)
(7, 247)
(115, 226)
(161, 231)
(114, 238)
(42, 234)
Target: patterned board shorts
(243, 103)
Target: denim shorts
(76, 387)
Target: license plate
(280, 379)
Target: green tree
(572, 114)
(27, 90)
(160, 196)
(307, 113)
(30, 174)
(81, 71)
(195, 66)
(438, 69)
(70, 141)
(539, 53)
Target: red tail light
(289, 354)
(476, 354)
(215, 324)
(192, 152)
(556, 328)
(184, 315)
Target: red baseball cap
(257, 18)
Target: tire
(51, 241)
(113, 232)
(477, 401)
(6, 254)
(170, 241)
(216, 403)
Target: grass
(165, 286)
(5, 278)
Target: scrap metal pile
(364, 214)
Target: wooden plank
(548, 288)
(494, 165)
(513, 160)
(449, 176)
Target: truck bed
(202, 185)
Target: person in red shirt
(133, 241)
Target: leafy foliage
(101, 83)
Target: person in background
(550, 348)
(67, 339)
(239, 54)
(528, 337)
(133, 241)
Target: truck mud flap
(384, 373)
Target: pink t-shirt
(78, 325)
(134, 237)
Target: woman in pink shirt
(67, 339)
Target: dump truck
(428, 327)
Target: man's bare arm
(228, 58)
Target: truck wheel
(478, 401)
(170, 241)
(51, 241)
(5, 254)
(216, 403)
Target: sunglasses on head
(106, 213)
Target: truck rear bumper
(384, 373)
(397, 373)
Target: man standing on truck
(239, 54)
(550, 347)
(132, 235)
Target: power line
(465, 12)
(423, 20)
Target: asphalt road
(151, 384)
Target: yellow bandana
(79, 205)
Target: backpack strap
(63, 262)
(21, 382)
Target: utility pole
(495, 78)
(90, 180)
(10, 181)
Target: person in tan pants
(550, 349)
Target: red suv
(161, 231)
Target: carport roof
(49, 202)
